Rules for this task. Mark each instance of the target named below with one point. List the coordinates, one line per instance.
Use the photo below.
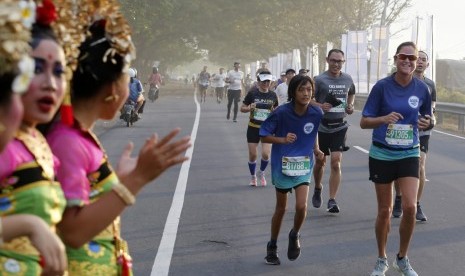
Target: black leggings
(234, 95)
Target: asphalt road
(224, 224)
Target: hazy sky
(449, 30)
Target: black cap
(290, 70)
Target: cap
(132, 73)
(290, 70)
(303, 70)
(283, 73)
(264, 77)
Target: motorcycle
(128, 113)
(153, 93)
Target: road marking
(161, 265)
(445, 133)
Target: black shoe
(234, 120)
(293, 250)
(316, 198)
(332, 206)
(345, 148)
(420, 216)
(272, 255)
(397, 210)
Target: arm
(374, 122)
(50, 247)
(290, 138)
(80, 224)
(247, 108)
(316, 150)
(350, 104)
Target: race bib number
(341, 107)
(399, 134)
(261, 114)
(296, 166)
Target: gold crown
(117, 30)
(16, 19)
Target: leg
(280, 210)
(335, 176)
(230, 100)
(383, 219)
(318, 171)
(422, 174)
(253, 152)
(301, 197)
(409, 189)
(237, 98)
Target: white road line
(361, 149)
(161, 265)
(445, 133)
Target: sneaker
(381, 267)
(316, 198)
(262, 179)
(420, 216)
(253, 181)
(397, 210)
(404, 267)
(293, 250)
(272, 255)
(332, 206)
(234, 120)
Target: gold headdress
(16, 18)
(117, 31)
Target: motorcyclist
(135, 90)
(155, 80)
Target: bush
(448, 96)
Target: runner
(218, 84)
(203, 81)
(235, 79)
(293, 129)
(335, 93)
(392, 111)
(259, 103)
(281, 90)
(422, 65)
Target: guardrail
(441, 110)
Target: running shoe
(332, 206)
(262, 179)
(316, 198)
(293, 250)
(397, 210)
(404, 267)
(253, 181)
(420, 215)
(234, 120)
(381, 267)
(272, 255)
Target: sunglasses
(405, 56)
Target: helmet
(132, 73)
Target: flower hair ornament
(16, 19)
(117, 31)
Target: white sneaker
(253, 181)
(381, 267)
(404, 267)
(262, 178)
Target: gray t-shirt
(340, 87)
(432, 91)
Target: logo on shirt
(413, 101)
(308, 128)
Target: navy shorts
(285, 191)
(384, 172)
(253, 135)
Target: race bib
(295, 166)
(341, 107)
(261, 114)
(399, 134)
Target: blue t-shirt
(388, 96)
(135, 88)
(282, 121)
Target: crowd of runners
(299, 122)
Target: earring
(112, 98)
